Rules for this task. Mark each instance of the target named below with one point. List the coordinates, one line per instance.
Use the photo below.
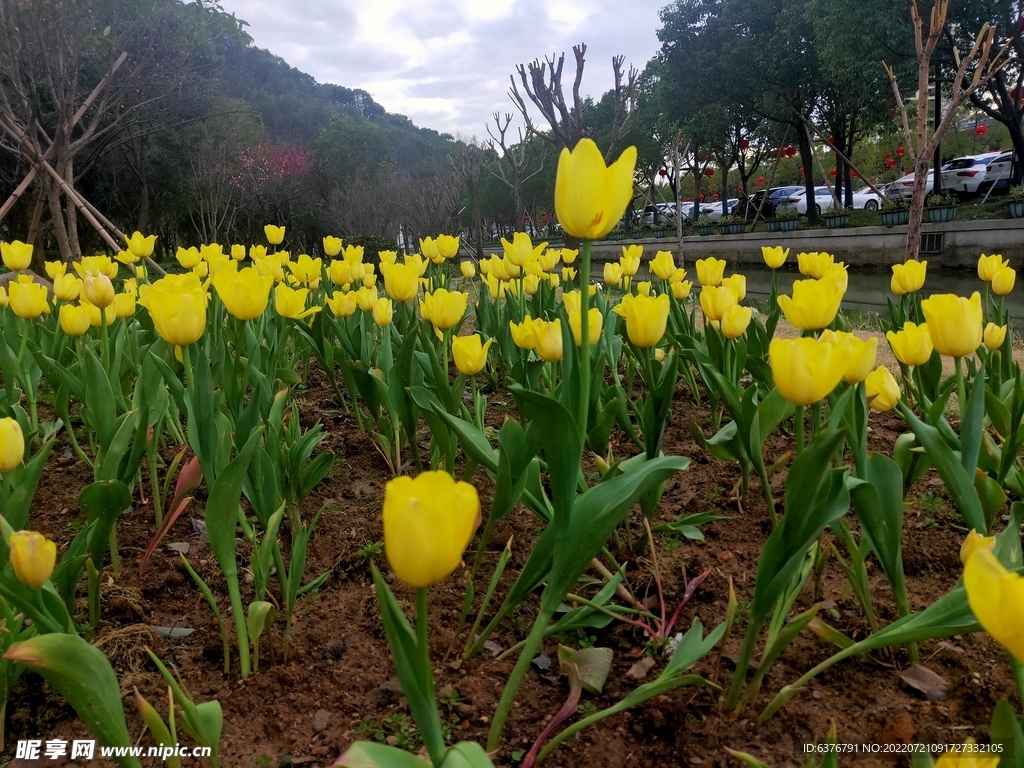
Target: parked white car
(998, 174)
(713, 210)
(904, 186)
(822, 199)
(866, 198)
(964, 175)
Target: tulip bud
(382, 312)
(275, 235)
(98, 290)
(332, 246)
(33, 557)
(468, 269)
(470, 354)
(12, 445)
(16, 255)
(994, 336)
(882, 390)
(238, 252)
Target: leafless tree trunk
(516, 158)
(985, 63)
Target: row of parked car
(965, 177)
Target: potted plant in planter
(704, 226)
(836, 217)
(895, 211)
(1017, 202)
(940, 208)
(785, 220)
(731, 225)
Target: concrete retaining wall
(959, 244)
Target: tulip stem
(1018, 674)
(584, 393)
(799, 429)
(526, 655)
(105, 340)
(961, 389)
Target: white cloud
(446, 63)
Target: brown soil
(338, 684)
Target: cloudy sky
(446, 63)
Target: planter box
(731, 229)
(892, 218)
(781, 225)
(837, 222)
(659, 232)
(1017, 209)
(637, 234)
(705, 230)
(941, 213)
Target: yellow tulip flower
(28, 299)
(681, 290)
(735, 321)
(630, 259)
(715, 300)
(966, 757)
(468, 269)
(710, 271)
(568, 274)
(201, 270)
(659, 355)
(495, 287)
(954, 323)
(340, 272)
(387, 257)
(989, 265)
(912, 344)
(96, 265)
(737, 284)
(353, 253)
(549, 340)
(860, 354)
(521, 250)
(663, 265)
(306, 270)
(383, 312)
(511, 269)
(973, 543)
(12, 445)
(882, 390)
(444, 308)
(272, 265)
(994, 336)
(141, 246)
(531, 284)
(428, 522)
(554, 279)
(177, 305)
(365, 298)
(275, 235)
(448, 246)
(814, 304)
(805, 370)
(569, 254)
(74, 320)
(1003, 280)
(257, 252)
(189, 258)
(523, 333)
(774, 256)
(67, 287)
(33, 557)
(4, 299)
(591, 197)
(55, 269)
(429, 249)
(643, 288)
(245, 293)
(238, 252)
(16, 255)
(996, 597)
(613, 273)
(124, 304)
(594, 326)
(908, 277)
(342, 304)
(332, 246)
(571, 299)
(469, 354)
(98, 290)
(549, 260)
(646, 319)
(814, 264)
(291, 302)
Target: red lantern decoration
(702, 197)
(760, 179)
(891, 163)
(801, 169)
(740, 190)
(886, 156)
(715, 197)
(744, 144)
(831, 140)
(689, 199)
(980, 130)
(832, 173)
(544, 215)
(663, 173)
(900, 151)
(791, 151)
(854, 174)
(709, 172)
